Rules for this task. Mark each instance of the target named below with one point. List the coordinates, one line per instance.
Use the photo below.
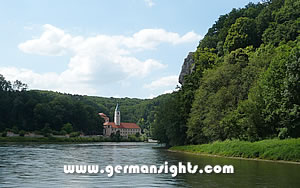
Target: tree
(4, 85)
(42, 115)
(169, 126)
(116, 136)
(19, 86)
(46, 130)
(22, 133)
(241, 34)
(137, 134)
(220, 90)
(272, 107)
(68, 128)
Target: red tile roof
(123, 125)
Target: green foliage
(277, 33)
(74, 134)
(15, 130)
(288, 149)
(4, 85)
(31, 110)
(46, 130)
(283, 133)
(22, 133)
(217, 34)
(241, 34)
(134, 138)
(245, 80)
(221, 89)
(4, 134)
(68, 128)
(284, 24)
(62, 139)
(116, 136)
(62, 132)
(19, 86)
(137, 135)
(168, 126)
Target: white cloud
(97, 59)
(151, 96)
(47, 81)
(55, 42)
(151, 38)
(149, 3)
(52, 42)
(168, 91)
(168, 81)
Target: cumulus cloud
(97, 59)
(151, 96)
(47, 81)
(151, 38)
(163, 82)
(52, 42)
(168, 91)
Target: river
(41, 165)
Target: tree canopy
(245, 80)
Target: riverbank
(273, 149)
(63, 139)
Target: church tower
(117, 115)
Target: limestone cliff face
(187, 67)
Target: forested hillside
(245, 80)
(47, 111)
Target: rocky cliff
(187, 67)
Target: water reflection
(41, 165)
(248, 173)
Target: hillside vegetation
(245, 82)
(51, 112)
(288, 149)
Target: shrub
(74, 134)
(37, 132)
(283, 133)
(62, 132)
(15, 129)
(46, 130)
(54, 132)
(22, 133)
(4, 134)
(67, 128)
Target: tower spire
(117, 107)
(117, 119)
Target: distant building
(124, 128)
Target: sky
(108, 48)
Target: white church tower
(117, 115)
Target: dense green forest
(53, 112)
(23, 110)
(245, 82)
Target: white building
(125, 129)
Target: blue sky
(111, 48)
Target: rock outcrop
(187, 67)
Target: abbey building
(125, 129)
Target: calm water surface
(41, 165)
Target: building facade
(125, 129)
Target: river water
(41, 165)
